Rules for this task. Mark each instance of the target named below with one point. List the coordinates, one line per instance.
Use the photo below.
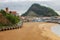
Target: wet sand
(30, 31)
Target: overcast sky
(22, 6)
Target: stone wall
(4, 28)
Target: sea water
(56, 30)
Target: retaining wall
(18, 25)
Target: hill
(39, 10)
(7, 19)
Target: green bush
(12, 18)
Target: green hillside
(8, 19)
(39, 10)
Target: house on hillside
(11, 12)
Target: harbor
(42, 19)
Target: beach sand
(31, 31)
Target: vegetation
(12, 18)
(40, 11)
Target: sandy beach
(31, 31)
